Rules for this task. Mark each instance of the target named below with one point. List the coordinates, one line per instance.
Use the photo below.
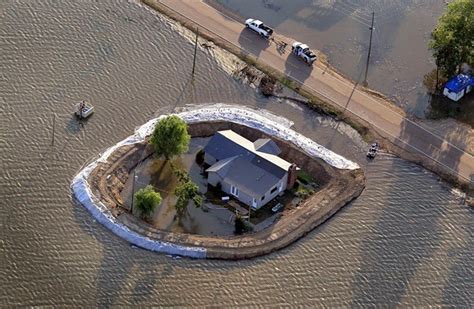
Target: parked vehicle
(302, 50)
(458, 86)
(259, 27)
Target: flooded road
(406, 240)
(341, 29)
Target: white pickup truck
(259, 27)
(302, 50)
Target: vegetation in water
(452, 39)
(170, 137)
(146, 200)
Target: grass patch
(305, 178)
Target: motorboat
(83, 110)
(374, 148)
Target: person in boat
(82, 108)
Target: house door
(234, 191)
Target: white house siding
(269, 196)
(209, 159)
(243, 197)
(213, 179)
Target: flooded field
(400, 56)
(406, 241)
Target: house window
(273, 190)
(263, 197)
(234, 190)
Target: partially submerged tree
(146, 200)
(185, 192)
(452, 39)
(170, 137)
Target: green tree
(146, 200)
(186, 192)
(452, 41)
(170, 137)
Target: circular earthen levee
(338, 188)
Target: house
(251, 172)
(458, 86)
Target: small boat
(373, 151)
(83, 110)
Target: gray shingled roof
(249, 178)
(225, 145)
(221, 167)
(240, 163)
(267, 145)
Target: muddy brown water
(400, 57)
(405, 241)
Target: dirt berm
(338, 187)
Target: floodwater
(341, 29)
(407, 240)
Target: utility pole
(54, 126)
(370, 48)
(195, 50)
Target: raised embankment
(98, 188)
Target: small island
(215, 188)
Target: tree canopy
(146, 200)
(170, 137)
(185, 192)
(452, 41)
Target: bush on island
(170, 137)
(146, 200)
(239, 225)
